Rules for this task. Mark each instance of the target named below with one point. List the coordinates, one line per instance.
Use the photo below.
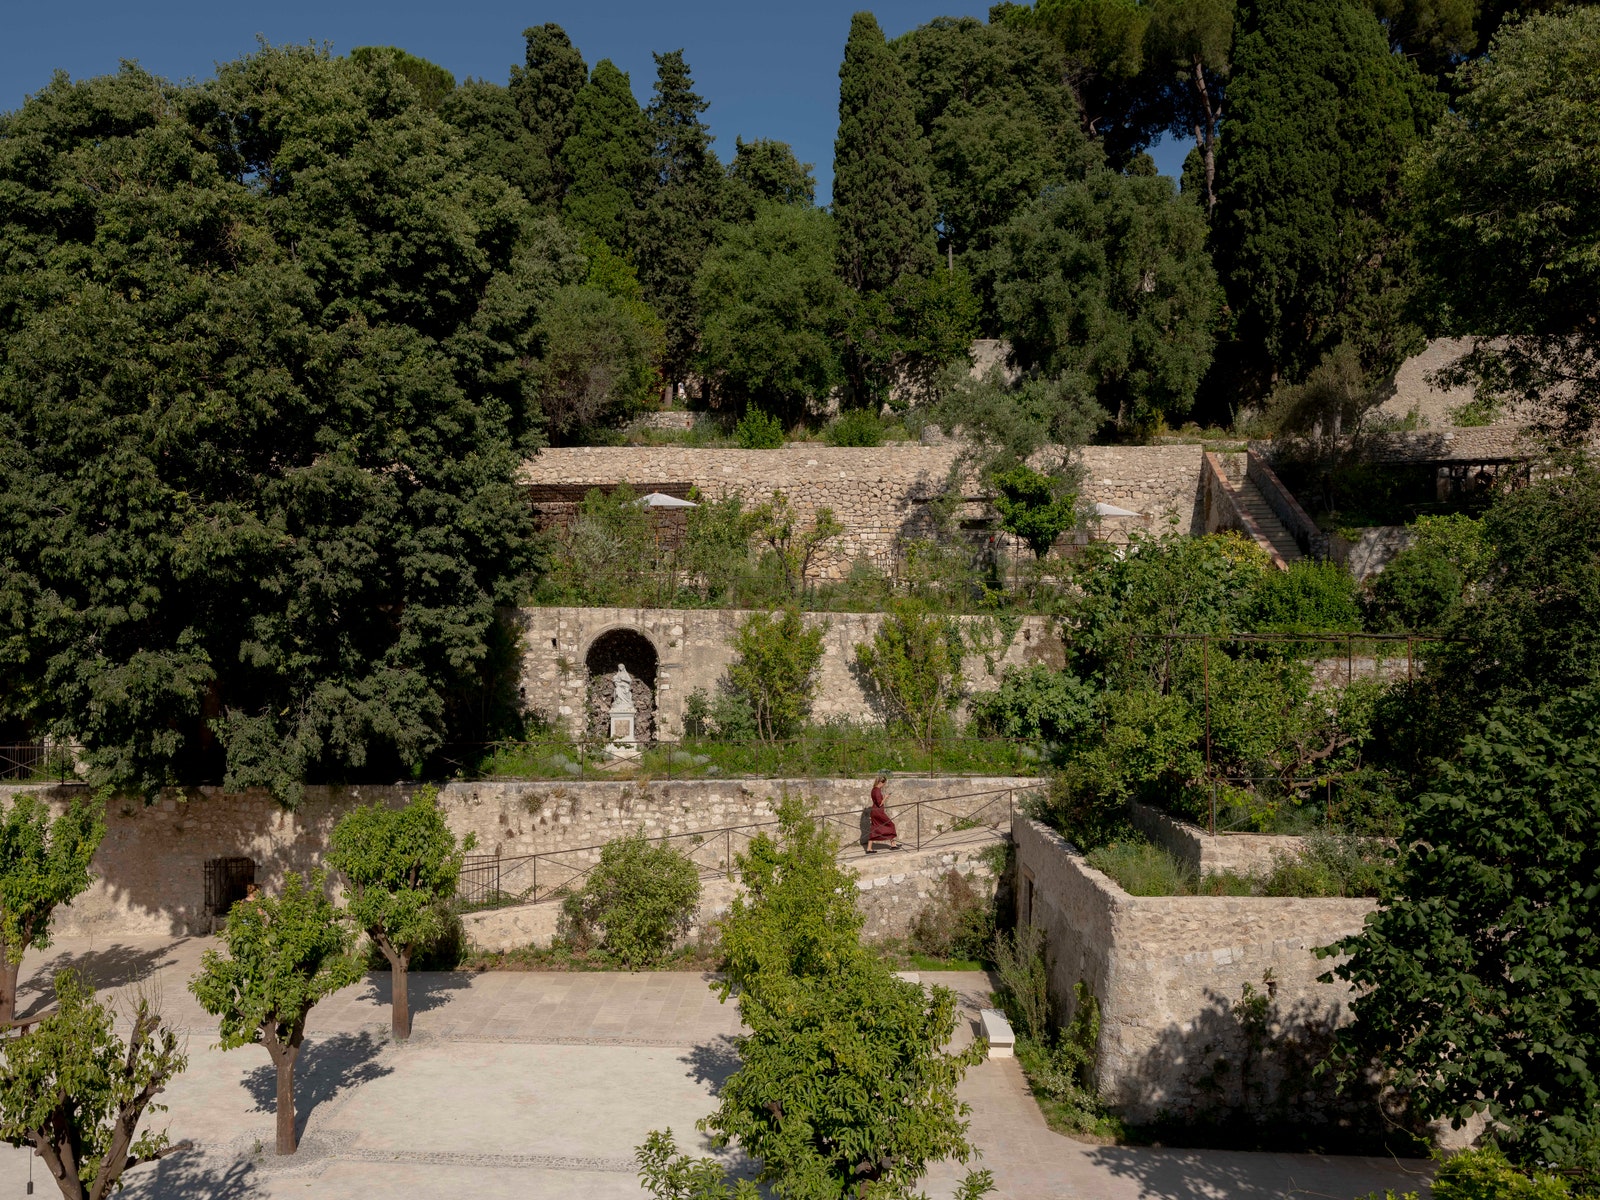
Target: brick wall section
(1167, 971)
(694, 648)
(879, 493)
(150, 868)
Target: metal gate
(226, 882)
(480, 881)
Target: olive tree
(400, 866)
(43, 863)
(74, 1091)
(285, 953)
(914, 665)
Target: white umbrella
(662, 500)
(1111, 510)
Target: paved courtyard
(541, 1084)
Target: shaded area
(191, 1173)
(118, 965)
(425, 990)
(328, 1066)
(1177, 1175)
(714, 1062)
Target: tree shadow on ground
(115, 966)
(426, 990)
(713, 1062)
(1185, 1174)
(328, 1066)
(191, 1173)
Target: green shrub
(1037, 703)
(1023, 970)
(1309, 597)
(1331, 865)
(1424, 584)
(1142, 869)
(1035, 507)
(635, 903)
(776, 671)
(1486, 1175)
(1086, 803)
(957, 922)
(758, 431)
(858, 427)
(914, 663)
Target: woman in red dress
(882, 827)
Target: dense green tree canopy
(765, 170)
(1506, 214)
(1320, 116)
(1107, 280)
(545, 90)
(433, 82)
(1001, 126)
(606, 161)
(497, 140)
(270, 358)
(682, 205)
(882, 200)
(1478, 982)
(771, 306)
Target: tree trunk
(399, 994)
(8, 985)
(283, 1057)
(286, 1138)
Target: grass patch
(831, 751)
(1326, 866)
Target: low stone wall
(150, 868)
(891, 890)
(879, 493)
(1169, 973)
(1207, 854)
(694, 648)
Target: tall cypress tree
(882, 201)
(1321, 115)
(676, 223)
(607, 158)
(545, 89)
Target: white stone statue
(622, 701)
(624, 741)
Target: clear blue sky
(768, 69)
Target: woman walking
(881, 828)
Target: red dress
(882, 828)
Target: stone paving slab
(541, 1084)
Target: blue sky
(768, 70)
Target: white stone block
(995, 1027)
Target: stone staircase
(1274, 535)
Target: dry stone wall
(880, 493)
(1168, 972)
(694, 649)
(891, 890)
(150, 869)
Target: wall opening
(630, 649)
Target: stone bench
(1002, 1042)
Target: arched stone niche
(633, 650)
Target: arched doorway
(630, 649)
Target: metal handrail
(497, 897)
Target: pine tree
(882, 200)
(545, 89)
(676, 224)
(607, 158)
(1321, 115)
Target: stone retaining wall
(1207, 854)
(879, 493)
(150, 867)
(1168, 973)
(891, 891)
(1374, 550)
(694, 648)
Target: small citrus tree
(914, 663)
(795, 548)
(777, 669)
(844, 1086)
(285, 953)
(1033, 506)
(641, 898)
(401, 866)
(74, 1092)
(43, 863)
